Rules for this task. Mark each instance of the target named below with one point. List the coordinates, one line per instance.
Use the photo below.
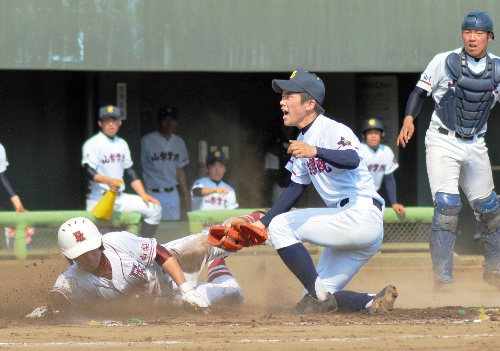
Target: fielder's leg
(443, 234)
(488, 236)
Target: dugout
(214, 60)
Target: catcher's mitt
(236, 237)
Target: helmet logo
(371, 122)
(79, 236)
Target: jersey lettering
(138, 272)
(317, 165)
(113, 158)
(165, 156)
(145, 247)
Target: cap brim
(279, 85)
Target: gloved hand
(192, 300)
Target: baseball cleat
(384, 300)
(311, 305)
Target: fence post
(20, 249)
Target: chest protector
(466, 105)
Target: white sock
(320, 289)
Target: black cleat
(311, 305)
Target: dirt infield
(463, 317)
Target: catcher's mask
(77, 236)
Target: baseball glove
(236, 237)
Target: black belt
(445, 132)
(376, 203)
(161, 190)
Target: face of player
(89, 261)
(216, 171)
(168, 126)
(476, 42)
(295, 112)
(373, 138)
(110, 126)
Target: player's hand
(406, 131)
(300, 149)
(18, 205)
(192, 300)
(148, 198)
(114, 184)
(222, 191)
(399, 209)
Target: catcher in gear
(149, 269)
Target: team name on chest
(165, 156)
(215, 200)
(376, 168)
(138, 273)
(316, 165)
(113, 158)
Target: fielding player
(464, 86)
(380, 160)
(106, 157)
(350, 228)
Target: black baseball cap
(110, 111)
(216, 156)
(167, 112)
(302, 81)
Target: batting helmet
(77, 236)
(372, 123)
(478, 20)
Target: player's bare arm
(113, 183)
(181, 179)
(139, 189)
(406, 131)
(208, 191)
(18, 205)
(300, 149)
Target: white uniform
(135, 272)
(350, 234)
(380, 162)
(110, 157)
(213, 201)
(160, 160)
(3, 159)
(450, 160)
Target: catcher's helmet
(478, 20)
(372, 123)
(77, 236)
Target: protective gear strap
(6, 185)
(489, 210)
(390, 187)
(162, 255)
(415, 101)
(446, 211)
(131, 174)
(343, 159)
(285, 202)
(89, 171)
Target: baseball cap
(216, 156)
(302, 81)
(167, 112)
(110, 111)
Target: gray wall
(231, 35)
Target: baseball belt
(445, 131)
(163, 190)
(345, 201)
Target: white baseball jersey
(333, 184)
(436, 78)
(380, 162)
(351, 228)
(3, 159)
(109, 157)
(135, 271)
(160, 159)
(213, 201)
(466, 162)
